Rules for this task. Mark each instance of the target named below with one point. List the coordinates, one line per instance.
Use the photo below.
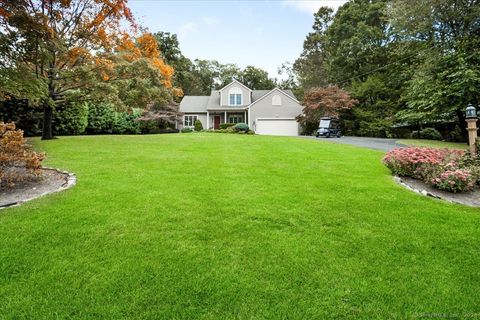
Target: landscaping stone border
(70, 181)
(467, 199)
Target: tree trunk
(47, 132)
(462, 123)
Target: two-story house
(271, 112)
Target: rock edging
(421, 188)
(70, 181)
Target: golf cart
(328, 128)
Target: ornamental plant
(450, 170)
(414, 161)
(18, 162)
(455, 181)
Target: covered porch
(216, 117)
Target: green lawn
(433, 143)
(215, 226)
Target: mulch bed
(51, 180)
(471, 199)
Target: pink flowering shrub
(444, 168)
(455, 181)
(413, 161)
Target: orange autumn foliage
(146, 47)
(18, 162)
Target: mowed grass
(214, 226)
(433, 143)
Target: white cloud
(210, 21)
(187, 29)
(313, 5)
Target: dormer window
(235, 97)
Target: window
(235, 99)
(276, 100)
(189, 121)
(235, 119)
(235, 96)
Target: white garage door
(277, 127)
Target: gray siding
(245, 94)
(265, 109)
(201, 116)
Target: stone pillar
(472, 134)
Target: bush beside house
(198, 125)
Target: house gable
(275, 104)
(235, 88)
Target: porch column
(225, 119)
(208, 120)
(245, 116)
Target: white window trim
(276, 98)
(235, 91)
(239, 118)
(195, 118)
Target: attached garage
(277, 127)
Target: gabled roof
(288, 93)
(237, 82)
(194, 104)
(212, 102)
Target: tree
(321, 102)
(446, 75)
(256, 79)
(311, 66)
(68, 45)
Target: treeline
(410, 64)
(199, 77)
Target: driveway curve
(381, 144)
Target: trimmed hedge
(226, 125)
(70, 119)
(241, 127)
(430, 134)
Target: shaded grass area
(433, 143)
(203, 226)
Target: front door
(216, 122)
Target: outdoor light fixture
(470, 112)
(471, 118)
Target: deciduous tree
(326, 101)
(62, 46)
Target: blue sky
(261, 33)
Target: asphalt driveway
(381, 144)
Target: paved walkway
(365, 142)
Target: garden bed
(471, 198)
(49, 181)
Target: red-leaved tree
(324, 102)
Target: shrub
(226, 125)
(455, 181)
(101, 118)
(230, 130)
(408, 161)
(18, 162)
(124, 123)
(456, 135)
(241, 127)
(25, 116)
(187, 129)
(70, 119)
(449, 170)
(430, 134)
(198, 125)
